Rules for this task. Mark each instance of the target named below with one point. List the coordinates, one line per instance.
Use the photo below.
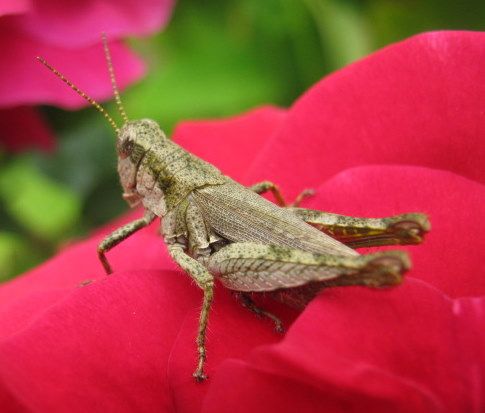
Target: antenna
(113, 78)
(79, 92)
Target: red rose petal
(451, 257)
(80, 262)
(125, 343)
(233, 332)
(48, 307)
(418, 102)
(407, 349)
(234, 143)
(104, 347)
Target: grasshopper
(216, 228)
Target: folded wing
(240, 215)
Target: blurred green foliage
(214, 59)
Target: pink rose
(68, 34)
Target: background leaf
(44, 207)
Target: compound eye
(126, 148)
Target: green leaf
(343, 31)
(16, 255)
(216, 60)
(85, 151)
(45, 208)
(395, 20)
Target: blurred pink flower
(67, 34)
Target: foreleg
(121, 234)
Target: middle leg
(265, 186)
(205, 281)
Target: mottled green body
(217, 228)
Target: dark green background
(214, 59)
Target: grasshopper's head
(134, 138)
(137, 137)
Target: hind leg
(250, 267)
(356, 232)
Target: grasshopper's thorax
(157, 172)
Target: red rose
(397, 132)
